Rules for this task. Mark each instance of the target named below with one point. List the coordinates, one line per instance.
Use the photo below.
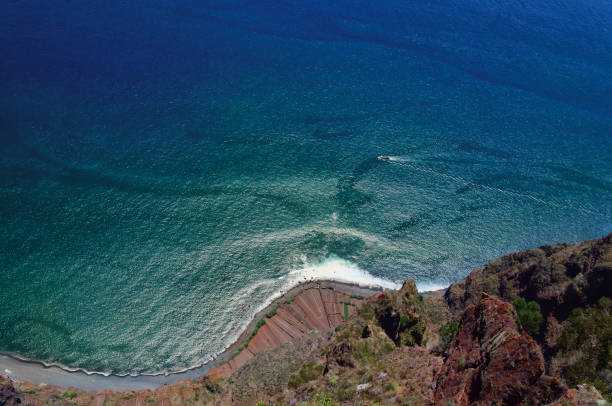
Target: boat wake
(404, 161)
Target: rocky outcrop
(572, 285)
(491, 360)
(8, 394)
(399, 314)
(325, 343)
(559, 278)
(582, 395)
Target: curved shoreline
(38, 372)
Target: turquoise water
(168, 168)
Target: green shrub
(69, 394)
(332, 379)
(404, 322)
(461, 363)
(411, 331)
(30, 391)
(308, 372)
(272, 312)
(363, 352)
(390, 387)
(366, 311)
(323, 399)
(212, 387)
(448, 333)
(259, 325)
(588, 332)
(344, 390)
(388, 347)
(529, 315)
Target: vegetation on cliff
(529, 315)
(585, 346)
(529, 328)
(447, 334)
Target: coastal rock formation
(529, 328)
(491, 360)
(8, 394)
(378, 356)
(559, 278)
(399, 314)
(569, 287)
(582, 395)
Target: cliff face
(9, 396)
(491, 359)
(559, 278)
(529, 328)
(572, 286)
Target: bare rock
(8, 394)
(491, 360)
(583, 395)
(560, 278)
(400, 314)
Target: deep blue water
(167, 167)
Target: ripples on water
(166, 169)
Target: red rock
(491, 360)
(8, 395)
(560, 278)
(583, 395)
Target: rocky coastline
(316, 306)
(533, 327)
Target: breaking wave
(338, 270)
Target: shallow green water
(166, 169)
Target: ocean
(169, 167)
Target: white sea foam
(430, 286)
(392, 158)
(339, 270)
(329, 269)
